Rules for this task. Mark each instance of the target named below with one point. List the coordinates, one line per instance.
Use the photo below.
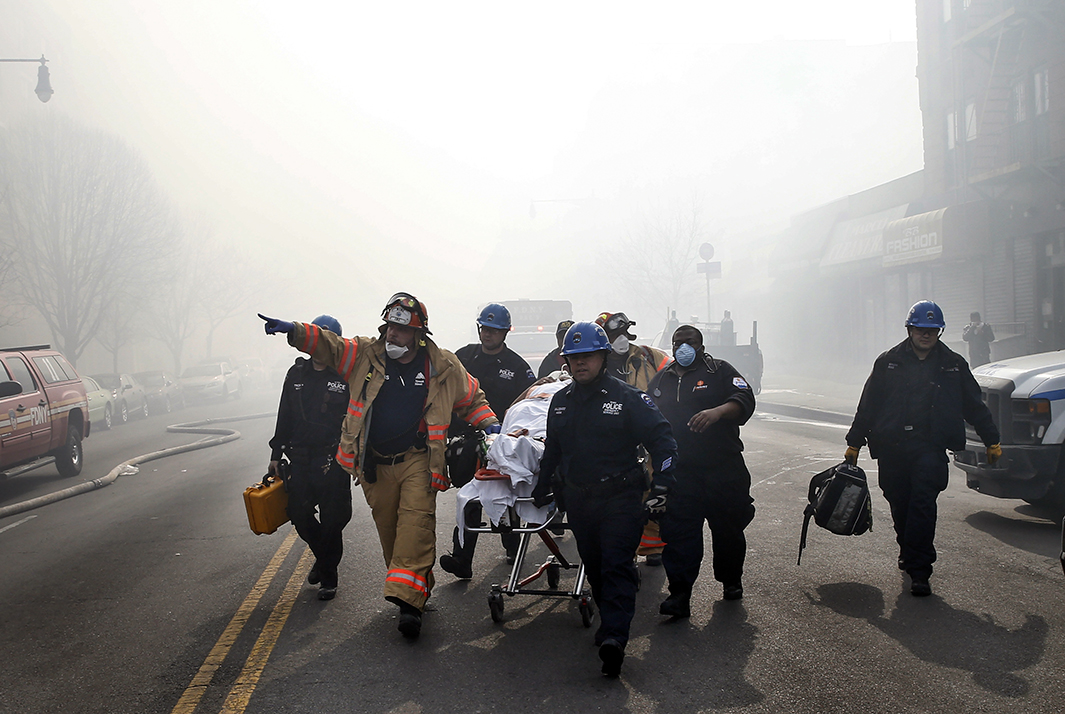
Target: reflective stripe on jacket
(361, 362)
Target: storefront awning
(914, 239)
(860, 238)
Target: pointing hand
(273, 325)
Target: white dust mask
(394, 351)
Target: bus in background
(533, 324)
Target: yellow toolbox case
(267, 504)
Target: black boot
(612, 654)
(459, 562)
(676, 606)
(410, 620)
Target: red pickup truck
(43, 409)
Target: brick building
(982, 227)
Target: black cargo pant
(607, 528)
(320, 483)
(912, 476)
(464, 552)
(720, 497)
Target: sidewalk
(831, 395)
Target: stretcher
(551, 569)
(504, 491)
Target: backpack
(839, 502)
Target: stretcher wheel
(587, 610)
(554, 572)
(495, 605)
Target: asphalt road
(152, 595)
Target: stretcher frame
(552, 567)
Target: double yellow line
(240, 693)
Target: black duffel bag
(839, 501)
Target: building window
(1042, 91)
(952, 131)
(1018, 101)
(966, 4)
(970, 121)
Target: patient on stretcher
(513, 460)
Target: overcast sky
(365, 148)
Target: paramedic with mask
(591, 469)
(503, 375)
(635, 365)
(403, 391)
(912, 410)
(706, 402)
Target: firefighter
(503, 375)
(403, 391)
(706, 402)
(912, 410)
(314, 400)
(553, 361)
(635, 365)
(591, 469)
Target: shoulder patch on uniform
(647, 399)
(740, 383)
(667, 463)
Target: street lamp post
(44, 85)
(711, 270)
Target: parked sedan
(101, 403)
(162, 389)
(128, 395)
(214, 380)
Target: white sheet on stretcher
(515, 456)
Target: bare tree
(116, 326)
(656, 259)
(229, 287)
(172, 309)
(8, 316)
(81, 216)
(9, 313)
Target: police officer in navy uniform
(503, 376)
(913, 410)
(553, 361)
(706, 401)
(591, 469)
(314, 400)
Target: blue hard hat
(328, 322)
(925, 313)
(584, 337)
(495, 316)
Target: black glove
(542, 497)
(543, 493)
(655, 505)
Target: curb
(128, 467)
(806, 413)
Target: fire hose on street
(216, 436)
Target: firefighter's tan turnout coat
(361, 361)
